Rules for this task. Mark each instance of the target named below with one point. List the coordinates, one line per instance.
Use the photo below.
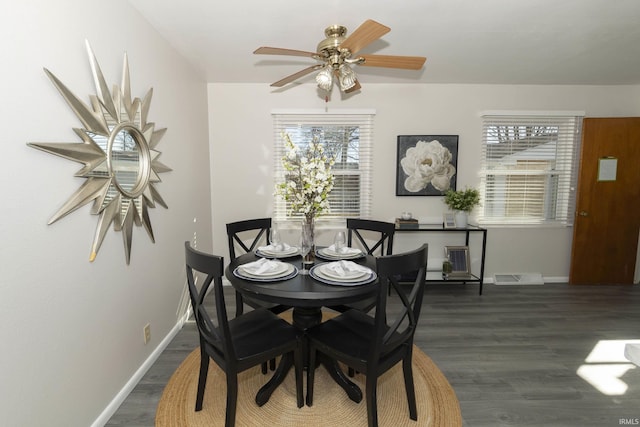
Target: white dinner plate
(321, 274)
(277, 254)
(321, 278)
(279, 270)
(291, 271)
(325, 270)
(333, 255)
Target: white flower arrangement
(308, 178)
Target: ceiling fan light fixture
(325, 78)
(338, 53)
(347, 77)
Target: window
(349, 135)
(529, 168)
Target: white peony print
(427, 163)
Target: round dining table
(307, 296)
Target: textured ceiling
(465, 41)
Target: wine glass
(339, 242)
(305, 248)
(274, 237)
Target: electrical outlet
(147, 333)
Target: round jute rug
(437, 402)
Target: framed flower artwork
(426, 164)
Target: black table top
(302, 290)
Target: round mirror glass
(128, 160)
(125, 160)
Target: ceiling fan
(337, 53)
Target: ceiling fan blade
(354, 88)
(366, 33)
(279, 51)
(393, 61)
(296, 76)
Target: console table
(435, 275)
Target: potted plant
(462, 203)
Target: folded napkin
(345, 268)
(345, 250)
(262, 266)
(280, 247)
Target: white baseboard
(556, 279)
(547, 279)
(113, 406)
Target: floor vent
(519, 279)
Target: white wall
(72, 330)
(242, 138)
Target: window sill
(489, 225)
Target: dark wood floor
(512, 355)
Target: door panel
(607, 220)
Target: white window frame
(363, 119)
(553, 164)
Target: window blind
(350, 136)
(529, 168)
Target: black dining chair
(357, 227)
(238, 344)
(257, 232)
(381, 230)
(361, 231)
(374, 344)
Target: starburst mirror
(121, 164)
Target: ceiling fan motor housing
(329, 48)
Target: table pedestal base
(304, 318)
(279, 375)
(352, 389)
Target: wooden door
(605, 234)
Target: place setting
(277, 249)
(266, 270)
(280, 250)
(342, 273)
(339, 250)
